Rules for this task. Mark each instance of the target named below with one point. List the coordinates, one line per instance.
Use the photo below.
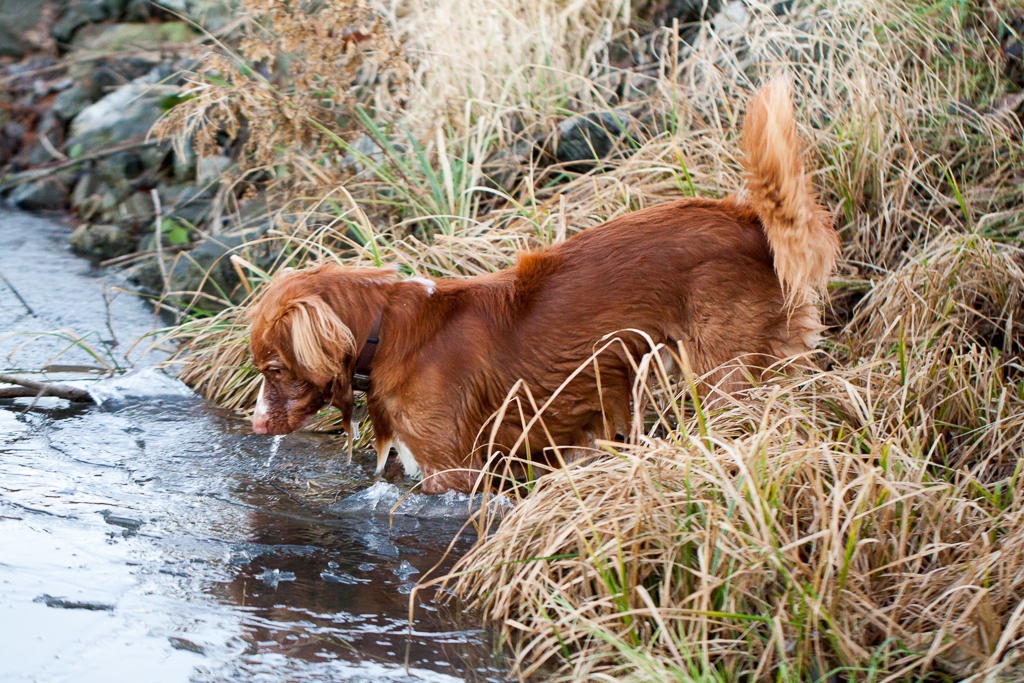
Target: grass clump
(862, 522)
(857, 522)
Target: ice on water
(146, 383)
(382, 498)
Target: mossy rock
(120, 37)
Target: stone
(209, 169)
(86, 187)
(731, 22)
(12, 134)
(590, 137)
(137, 11)
(103, 241)
(38, 156)
(183, 161)
(209, 268)
(187, 203)
(364, 148)
(119, 168)
(138, 208)
(51, 128)
(649, 14)
(77, 15)
(41, 195)
(22, 24)
(128, 112)
(70, 103)
(210, 14)
(119, 37)
(101, 76)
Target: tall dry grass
(862, 521)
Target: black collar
(361, 378)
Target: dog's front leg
(345, 403)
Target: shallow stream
(156, 538)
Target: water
(156, 538)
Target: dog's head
(302, 345)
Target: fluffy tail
(799, 230)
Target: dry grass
(863, 521)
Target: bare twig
(17, 294)
(159, 237)
(47, 389)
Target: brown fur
(699, 272)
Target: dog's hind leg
(383, 445)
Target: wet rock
(103, 241)
(22, 27)
(119, 37)
(186, 645)
(45, 194)
(64, 603)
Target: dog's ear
(320, 340)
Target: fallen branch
(31, 388)
(45, 171)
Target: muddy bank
(156, 538)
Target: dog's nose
(260, 426)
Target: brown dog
(725, 278)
